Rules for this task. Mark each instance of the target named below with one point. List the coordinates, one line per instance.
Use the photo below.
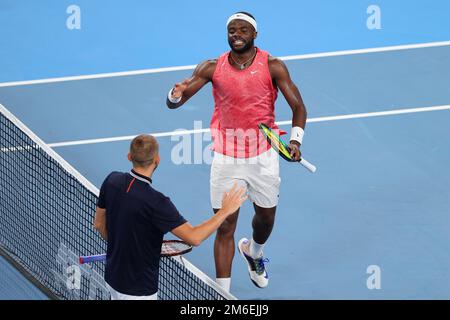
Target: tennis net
(46, 214)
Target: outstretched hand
(233, 199)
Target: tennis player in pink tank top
(245, 84)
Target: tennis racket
(169, 248)
(282, 148)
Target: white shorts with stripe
(260, 174)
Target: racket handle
(94, 258)
(308, 165)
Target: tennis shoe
(256, 267)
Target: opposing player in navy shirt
(134, 217)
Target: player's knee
(226, 230)
(267, 218)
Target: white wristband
(297, 134)
(173, 100)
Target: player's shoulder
(151, 196)
(210, 62)
(277, 67)
(113, 179)
(115, 175)
(205, 69)
(207, 64)
(274, 61)
(159, 196)
(159, 199)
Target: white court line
(371, 114)
(191, 67)
(281, 123)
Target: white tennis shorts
(116, 295)
(260, 174)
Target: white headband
(242, 16)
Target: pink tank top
(243, 100)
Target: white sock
(224, 283)
(256, 249)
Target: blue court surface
(14, 286)
(377, 128)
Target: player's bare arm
(231, 202)
(100, 222)
(202, 74)
(283, 81)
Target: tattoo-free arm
(100, 222)
(202, 74)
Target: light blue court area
(380, 199)
(14, 286)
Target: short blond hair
(143, 150)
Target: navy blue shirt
(137, 217)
